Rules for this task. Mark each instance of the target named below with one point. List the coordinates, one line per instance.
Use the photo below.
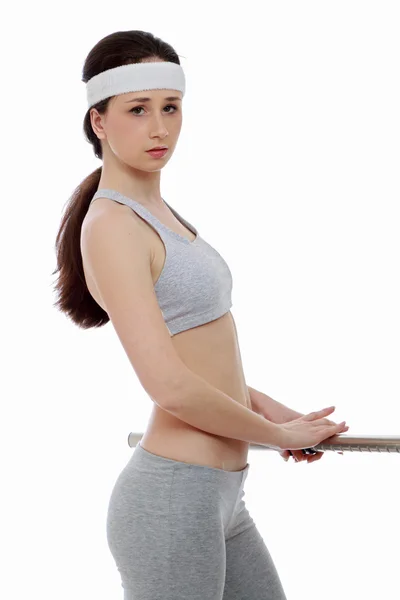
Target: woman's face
(131, 126)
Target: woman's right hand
(309, 430)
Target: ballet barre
(335, 443)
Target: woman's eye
(142, 107)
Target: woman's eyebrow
(170, 99)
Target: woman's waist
(173, 438)
(187, 444)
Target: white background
(288, 163)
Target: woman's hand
(308, 431)
(309, 454)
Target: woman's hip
(157, 492)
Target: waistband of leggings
(155, 459)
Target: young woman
(177, 524)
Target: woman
(177, 524)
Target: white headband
(134, 78)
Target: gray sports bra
(195, 284)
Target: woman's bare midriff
(210, 350)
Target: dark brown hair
(74, 299)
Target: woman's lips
(157, 153)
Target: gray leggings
(180, 531)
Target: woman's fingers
(302, 455)
(317, 456)
(298, 455)
(328, 426)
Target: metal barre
(336, 443)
